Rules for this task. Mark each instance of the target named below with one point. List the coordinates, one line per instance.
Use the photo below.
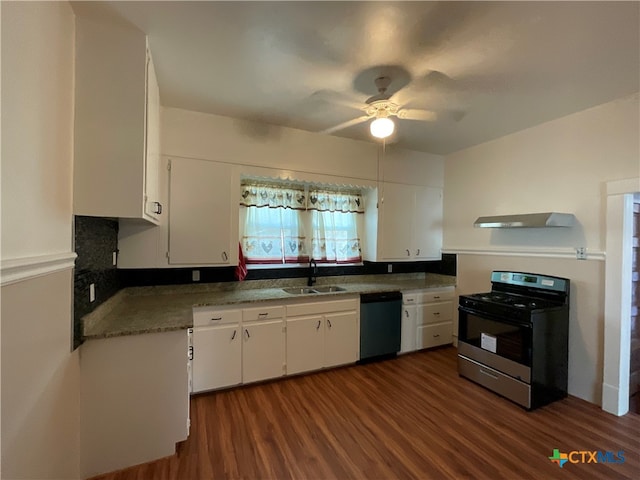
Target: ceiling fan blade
(348, 124)
(415, 114)
(337, 98)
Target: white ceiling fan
(380, 108)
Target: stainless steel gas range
(514, 339)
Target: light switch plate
(92, 292)
(390, 268)
(195, 275)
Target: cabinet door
(216, 357)
(427, 221)
(305, 344)
(263, 351)
(342, 338)
(396, 225)
(152, 159)
(408, 335)
(200, 212)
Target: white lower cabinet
(305, 344)
(408, 327)
(217, 357)
(217, 349)
(262, 350)
(434, 318)
(322, 334)
(341, 339)
(427, 318)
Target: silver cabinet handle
(436, 313)
(436, 335)
(418, 252)
(436, 297)
(319, 323)
(408, 253)
(234, 335)
(406, 313)
(215, 319)
(263, 314)
(329, 322)
(225, 257)
(246, 332)
(158, 208)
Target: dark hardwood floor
(410, 417)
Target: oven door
(498, 336)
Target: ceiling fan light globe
(382, 127)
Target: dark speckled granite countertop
(141, 310)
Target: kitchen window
(274, 220)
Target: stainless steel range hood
(527, 220)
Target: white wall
(224, 139)
(562, 166)
(559, 166)
(40, 377)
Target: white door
(397, 221)
(408, 335)
(305, 344)
(200, 212)
(427, 221)
(263, 351)
(216, 357)
(342, 338)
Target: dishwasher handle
(380, 297)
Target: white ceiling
(487, 68)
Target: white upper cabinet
(117, 138)
(200, 220)
(408, 224)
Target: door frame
(617, 307)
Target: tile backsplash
(95, 240)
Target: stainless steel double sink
(311, 290)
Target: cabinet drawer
(262, 313)
(205, 316)
(437, 295)
(411, 298)
(316, 308)
(434, 335)
(435, 313)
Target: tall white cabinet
(117, 122)
(200, 220)
(403, 223)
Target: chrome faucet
(313, 272)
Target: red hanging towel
(241, 269)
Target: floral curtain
(273, 196)
(273, 231)
(335, 237)
(332, 201)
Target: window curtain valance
(272, 196)
(335, 201)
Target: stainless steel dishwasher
(380, 324)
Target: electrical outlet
(390, 268)
(92, 292)
(581, 253)
(195, 275)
